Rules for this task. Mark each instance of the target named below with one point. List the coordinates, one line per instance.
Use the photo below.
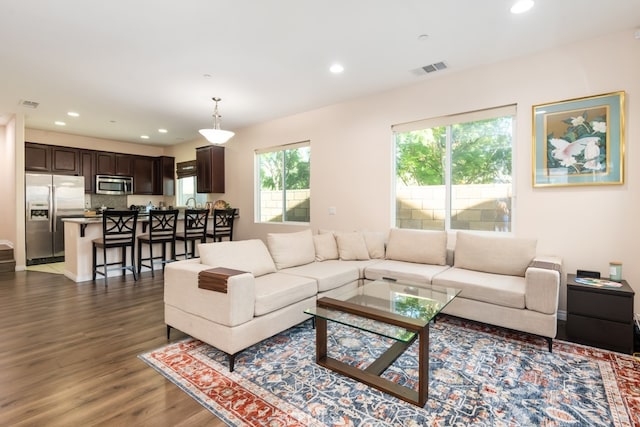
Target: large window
(455, 172)
(282, 183)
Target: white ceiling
(131, 67)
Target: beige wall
(351, 160)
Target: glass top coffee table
(392, 309)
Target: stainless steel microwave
(114, 185)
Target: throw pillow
(351, 246)
(326, 247)
(291, 249)
(419, 246)
(500, 255)
(375, 243)
(245, 255)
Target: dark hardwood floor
(68, 354)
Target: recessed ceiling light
(522, 6)
(336, 68)
(144, 136)
(73, 114)
(423, 37)
(59, 123)
(163, 130)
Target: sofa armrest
(232, 308)
(542, 284)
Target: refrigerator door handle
(52, 209)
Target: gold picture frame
(579, 141)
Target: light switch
(332, 210)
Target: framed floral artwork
(579, 141)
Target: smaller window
(282, 183)
(187, 195)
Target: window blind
(186, 169)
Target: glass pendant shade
(217, 136)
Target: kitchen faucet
(187, 201)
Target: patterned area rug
(478, 375)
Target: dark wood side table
(600, 316)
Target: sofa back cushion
(245, 255)
(492, 254)
(420, 246)
(375, 243)
(291, 249)
(326, 247)
(352, 247)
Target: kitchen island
(78, 234)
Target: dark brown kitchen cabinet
(51, 158)
(210, 169)
(143, 171)
(105, 163)
(124, 164)
(87, 168)
(164, 176)
(65, 160)
(37, 157)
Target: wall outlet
(332, 210)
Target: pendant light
(216, 135)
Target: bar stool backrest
(223, 223)
(119, 227)
(195, 223)
(162, 224)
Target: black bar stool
(162, 230)
(222, 224)
(195, 228)
(118, 231)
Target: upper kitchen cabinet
(50, 158)
(108, 163)
(65, 160)
(37, 157)
(164, 176)
(87, 166)
(210, 169)
(105, 163)
(143, 171)
(124, 165)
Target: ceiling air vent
(434, 67)
(30, 104)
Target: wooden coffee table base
(371, 374)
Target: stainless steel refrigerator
(50, 198)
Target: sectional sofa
(503, 281)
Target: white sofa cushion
(420, 246)
(329, 274)
(291, 249)
(404, 271)
(326, 247)
(375, 243)
(244, 255)
(498, 289)
(351, 246)
(278, 290)
(493, 254)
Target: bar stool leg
(133, 263)
(93, 253)
(104, 261)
